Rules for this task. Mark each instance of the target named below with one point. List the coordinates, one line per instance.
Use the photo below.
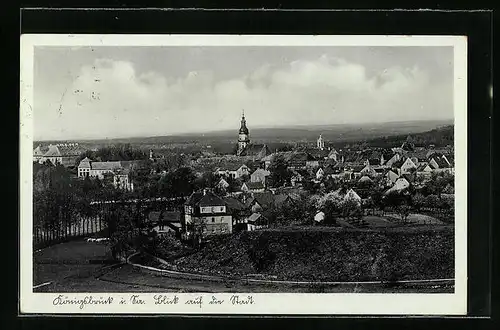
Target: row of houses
(117, 171)
(222, 214)
(65, 154)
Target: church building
(245, 148)
(320, 143)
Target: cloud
(111, 98)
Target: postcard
(243, 174)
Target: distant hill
(440, 137)
(331, 133)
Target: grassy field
(319, 254)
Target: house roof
(233, 203)
(392, 175)
(106, 165)
(53, 152)
(330, 170)
(422, 166)
(333, 152)
(442, 163)
(365, 178)
(208, 199)
(258, 150)
(254, 185)
(222, 182)
(261, 171)
(40, 151)
(280, 199)
(257, 218)
(357, 168)
(399, 163)
(168, 216)
(351, 194)
(408, 177)
(264, 199)
(317, 153)
(230, 166)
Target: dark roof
(374, 161)
(207, 199)
(257, 219)
(254, 185)
(399, 163)
(257, 150)
(243, 127)
(422, 166)
(168, 216)
(280, 199)
(442, 163)
(409, 177)
(297, 157)
(264, 199)
(107, 166)
(233, 203)
(319, 153)
(358, 168)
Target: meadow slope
(328, 256)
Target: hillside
(440, 137)
(328, 256)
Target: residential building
(260, 175)
(207, 213)
(333, 154)
(120, 171)
(353, 196)
(400, 185)
(234, 171)
(256, 221)
(253, 187)
(222, 184)
(65, 154)
(320, 173)
(390, 178)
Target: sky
(110, 92)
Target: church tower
(243, 139)
(320, 143)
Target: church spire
(243, 139)
(243, 127)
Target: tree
(377, 199)
(280, 175)
(197, 228)
(178, 183)
(350, 208)
(403, 210)
(418, 201)
(207, 180)
(432, 201)
(331, 205)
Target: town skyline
(123, 92)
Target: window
(213, 219)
